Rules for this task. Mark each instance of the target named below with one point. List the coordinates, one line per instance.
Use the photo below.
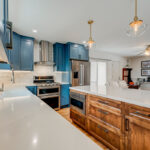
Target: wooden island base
(118, 125)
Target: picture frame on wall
(145, 64)
(145, 72)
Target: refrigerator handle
(81, 74)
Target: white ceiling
(66, 20)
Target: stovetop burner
(47, 84)
(45, 81)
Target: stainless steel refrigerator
(80, 75)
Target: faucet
(12, 75)
(2, 88)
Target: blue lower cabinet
(32, 89)
(64, 95)
(4, 66)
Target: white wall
(115, 63)
(135, 64)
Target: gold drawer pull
(105, 130)
(103, 102)
(104, 112)
(139, 113)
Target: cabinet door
(59, 56)
(74, 51)
(79, 52)
(138, 133)
(84, 53)
(15, 52)
(27, 45)
(64, 95)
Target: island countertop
(27, 123)
(132, 96)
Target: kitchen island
(118, 117)
(27, 123)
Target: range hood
(3, 56)
(46, 53)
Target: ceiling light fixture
(90, 42)
(34, 31)
(136, 27)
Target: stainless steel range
(48, 90)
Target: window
(99, 72)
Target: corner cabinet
(21, 56)
(64, 95)
(32, 89)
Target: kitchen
(58, 91)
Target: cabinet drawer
(138, 111)
(104, 135)
(105, 115)
(105, 101)
(78, 118)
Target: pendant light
(147, 51)
(137, 26)
(90, 42)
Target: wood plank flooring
(66, 114)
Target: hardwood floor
(66, 114)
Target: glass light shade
(136, 28)
(90, 43)
(147, 51)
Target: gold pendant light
(136, 27)
(90, 41)
(147, 51)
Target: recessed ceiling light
(34, 31)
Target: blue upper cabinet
(59, 56)
(26, 51)
(14, 54)
(21, 56)
(78, 51)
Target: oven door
(48, 91)
(77, 102)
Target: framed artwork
(145, 64)
(145, 72)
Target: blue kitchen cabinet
(59, 56)
(3, 34)
(32, 89)
(14, 54)
(4, 66)
(21, 56)
(26, 53)
(64, 95)
(78, 51)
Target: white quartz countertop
(27, 123)
(132, 96)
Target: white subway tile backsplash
(27, 76)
